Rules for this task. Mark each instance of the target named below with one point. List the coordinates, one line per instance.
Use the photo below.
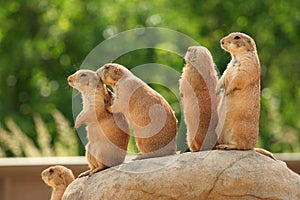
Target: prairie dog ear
(66, 180)
(117, 70)
(252, 45)
(117, 73)
(67, 177)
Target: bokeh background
(44, 41)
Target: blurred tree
(43, 41)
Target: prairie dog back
(197, 90)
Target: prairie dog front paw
(79, 120)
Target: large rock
(203, 175)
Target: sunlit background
(42, 42)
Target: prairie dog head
(196, 54)
(57, 176)
(111, 73)
(85, 80)
(238, 43)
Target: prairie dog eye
(51, 171)
(237, 37)
(83, 75)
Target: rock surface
(202, 175)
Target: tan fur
(108, 134)
(152, 118)
(58, 178)
(197, 90)
(240, 86)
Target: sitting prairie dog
(152, 118)
(239, 108)
(199, 100)
(58, 177)
(108, 134)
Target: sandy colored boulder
(201, 175)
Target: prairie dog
(152, 118)
(239, 108)
(58, 178)
(199, 100)
(107, 134)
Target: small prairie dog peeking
(107, 133)
(58, 178)
(152, 118)
(199, 100)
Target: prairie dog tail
(265, 152)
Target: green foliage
(43, 41)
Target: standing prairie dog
(197, 90)
(152, 118)
(107, 134)
(58, 178)
(240, 87)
